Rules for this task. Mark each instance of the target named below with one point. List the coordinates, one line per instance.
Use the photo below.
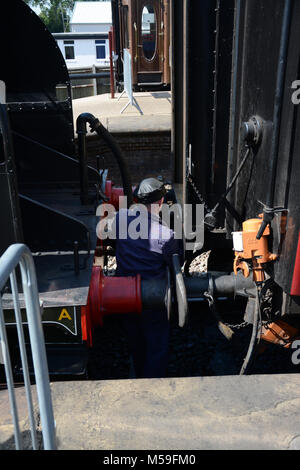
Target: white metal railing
(19, 255)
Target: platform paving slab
(259, 412)
(155, 106)
(7, 440)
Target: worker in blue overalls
(149, 256)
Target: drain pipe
(96, 126)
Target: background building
(86, 45)
(91, 17)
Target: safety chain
(197, 192)
(239, 326)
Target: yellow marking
(64, 314)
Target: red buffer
(109, 295)
(295, 290)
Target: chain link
(197, 192)
(239, 326)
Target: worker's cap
(149, 190)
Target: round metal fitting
(252, 131)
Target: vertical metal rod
(84, 183)
(282, 63)
(38, 350)
(186, 148)
(215, 92)
(95, 91)
(9, 379)
(14, 289)
(278, 103)
(76, 258)
(235, 57)
(111, 66)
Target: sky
(35, 9)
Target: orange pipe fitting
(254, 250)
(281, 333)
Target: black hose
(210, 218)
(248, 361)
(96, 126)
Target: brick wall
(147, 155)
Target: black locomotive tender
(235, 145)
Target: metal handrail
(77, 76)
(20, 255)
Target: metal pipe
(278, 102)
(111, 66)
(228, 285)
(153, 291)
(20, 254)
(279, 96)
(94, 81)
(21, 338)
(38, 349)
(80, 76)
(9, 378)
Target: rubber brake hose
(253, 341)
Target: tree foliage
(55, 13)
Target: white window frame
(69, 43)
(106, 58)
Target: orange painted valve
(248, 249)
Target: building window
(100, 48)
(69, 50)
